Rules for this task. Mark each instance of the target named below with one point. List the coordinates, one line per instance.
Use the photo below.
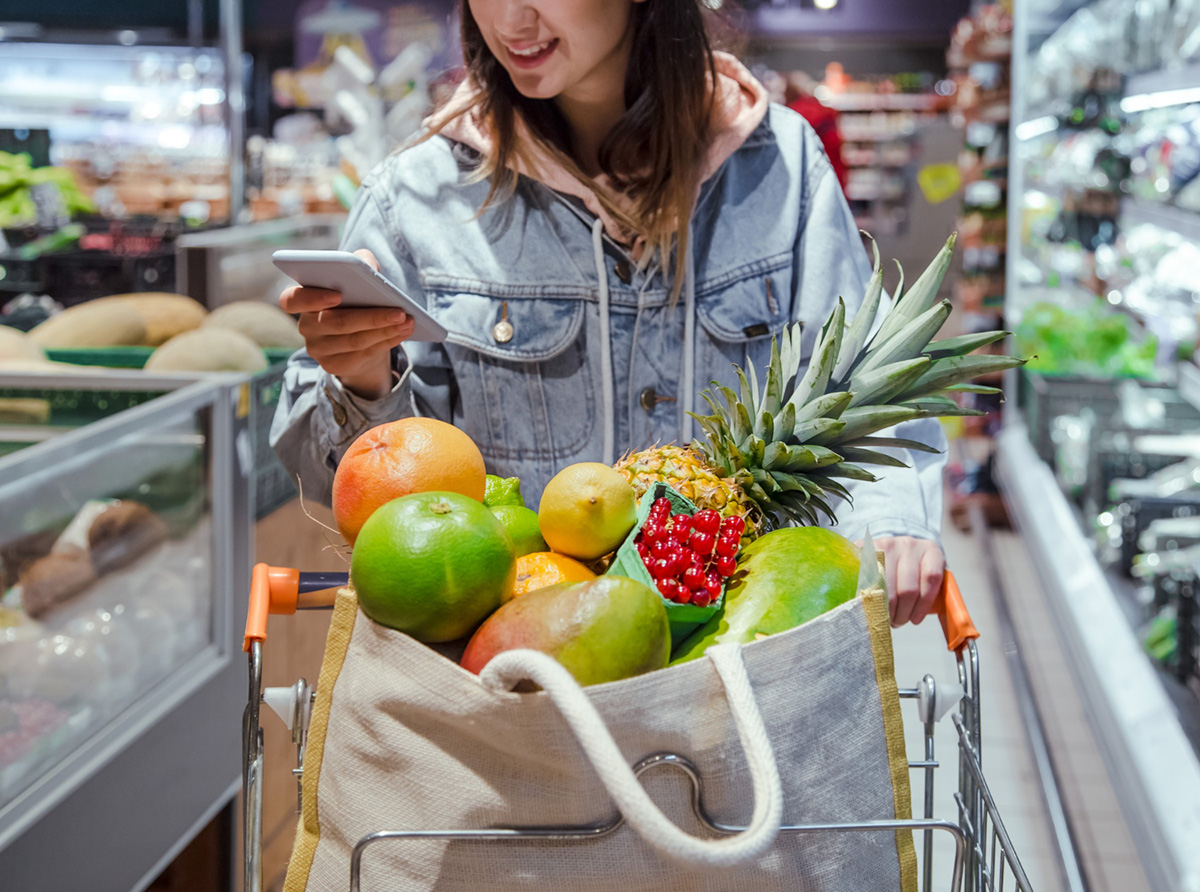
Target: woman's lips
(533, 55)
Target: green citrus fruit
(502, 491)
(522, 525)
(433, 565)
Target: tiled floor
(1107, 854)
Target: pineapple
(776, 454)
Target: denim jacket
(600, 360)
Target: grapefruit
(784, 579)
(398, 459)
(432, 565)
(545, 568)
(587, 510)
(602, 630)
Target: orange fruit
(543, 568)
(400, 458)
(433, 565)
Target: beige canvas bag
(801, 727)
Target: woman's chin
(535, 87)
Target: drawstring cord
(687, 398)
(606, 368)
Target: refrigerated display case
(124, 548)
(1098, 456)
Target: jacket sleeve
(829, 263)
(317, 419)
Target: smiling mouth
(529, 56)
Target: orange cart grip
(272, 590)
(952, 612)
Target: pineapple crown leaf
(894, 443)
(870, 457)
(909, 341)
(951, 370)
(879, 385)
(963, 344)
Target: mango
(784, 579)
(601, 630)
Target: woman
(606, 216)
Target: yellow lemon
(587, 510)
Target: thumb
(368, 257)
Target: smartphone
(360, 285)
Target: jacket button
(624, 271)
(649, 399)
(502, 331)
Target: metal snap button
(649, 399)
(502, 331)
(624, 271)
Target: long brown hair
(654, 154)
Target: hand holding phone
(354, 344)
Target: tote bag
(800, 727)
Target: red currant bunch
(689, 556)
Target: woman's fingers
(340, 322)
(933, 568)
(908, 583)
(322, 346)
(298, 299)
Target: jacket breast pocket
(522, 370)
(737, 321)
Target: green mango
(784, 579)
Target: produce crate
(75, 407)
(132, 357)
(1043, 398)
(273, 485)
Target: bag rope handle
(511, 667)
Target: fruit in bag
(522, 525)
(784, 579)
(545, 568)
(400, 458)
(432, 565)
(501, 491)
(587, 510)
(602, 630)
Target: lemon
(587, 510)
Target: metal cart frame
(984, 859)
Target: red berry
(661, 504)
(707, 521)
(703, 543)
(714, 584)
(701, 598)
(660, 568)
(681, 529)
(693, 577)
(643, 551)
(733, 526)
(651, 532)
(726, 565)
(728, 547)
(681, 559)
(662, 548)
(668, 587)
(683, 595)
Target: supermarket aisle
(1007, 761)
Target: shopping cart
(984, 858)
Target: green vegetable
(1094, 341)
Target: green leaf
(871, 457)
(893, 443)
(879, 386)
(788, 483)
(867, 420)
(952, 370)
(831, 405)
(772, 400)
(820, 364)
(909, 341)
(851, 472)
(963, 344)
(941, 407)
(810, 458)
(785, 424)
(776, 455)
(920, 296)
(856, 338)
(746, 397)
(805, 431)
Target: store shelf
(851, 134)
(1152, 764)
(1139, 210)
(1166, 80)
(881, 101)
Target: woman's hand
(353, 345)
(914, 576)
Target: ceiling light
(825, 4)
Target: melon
(165, 315)
(92, 324)
(208, 350)
(17, 346)
(266, 325)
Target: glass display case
(124, 557)
(144, 129)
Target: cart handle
(283, 590)
(952, 611)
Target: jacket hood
(740, 105)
